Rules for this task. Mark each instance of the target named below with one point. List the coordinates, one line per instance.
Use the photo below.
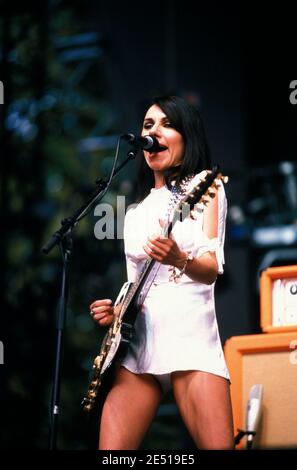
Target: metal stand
(66, 248)
(63, 238)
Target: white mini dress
(176, 328)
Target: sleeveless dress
(176, 328)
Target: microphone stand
(62, 237)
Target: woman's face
(157, 124)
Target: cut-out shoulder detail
(216, 244)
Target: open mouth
(160, 149)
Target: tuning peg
(216, 184)
(225, 179)
(199, 207)
(211, 193)
(204, 201)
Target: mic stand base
(241, 433)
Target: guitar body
(113, 350)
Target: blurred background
(75, 75)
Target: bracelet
(176, 277)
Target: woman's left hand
(165, 250)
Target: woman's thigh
(205, 406)
(128, 410)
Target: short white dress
(176, 328)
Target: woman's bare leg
(128, 411)
(205, 406)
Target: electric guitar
(116, 341)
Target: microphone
(254, 410)
(146, 142)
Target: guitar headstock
(201, 193)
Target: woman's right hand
(102, 311)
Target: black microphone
(146, 142)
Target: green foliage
(52, 104)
